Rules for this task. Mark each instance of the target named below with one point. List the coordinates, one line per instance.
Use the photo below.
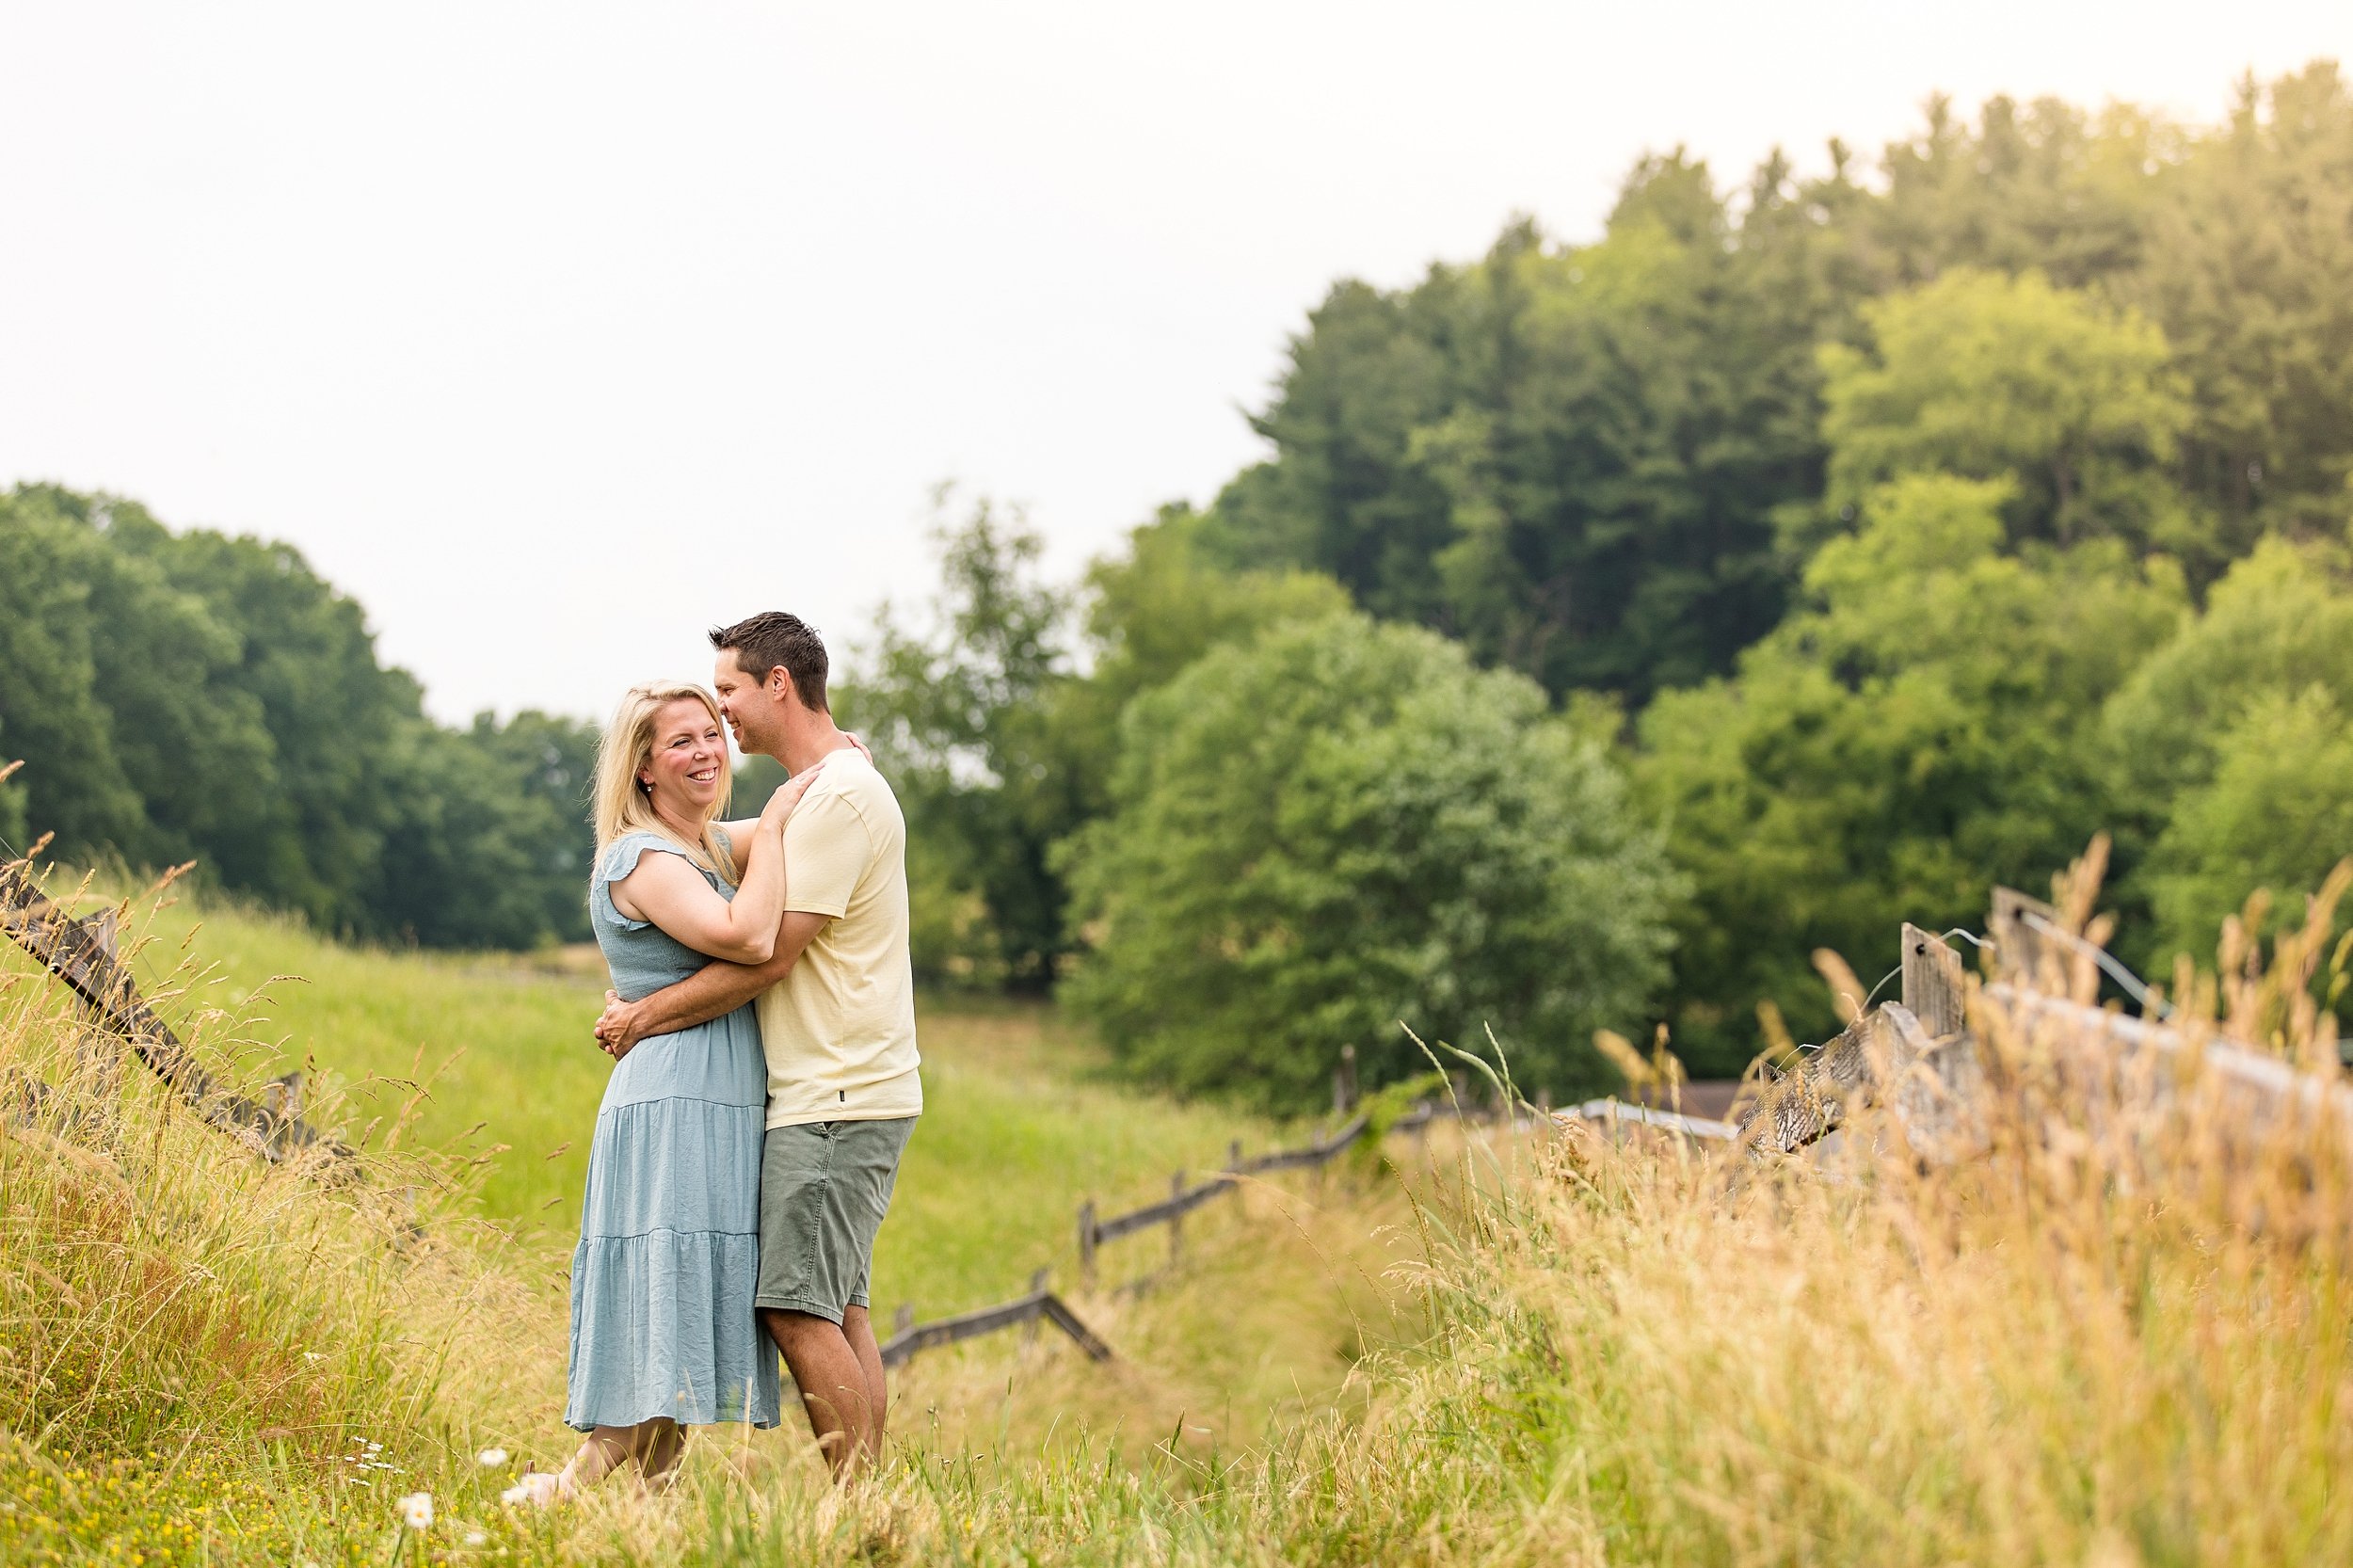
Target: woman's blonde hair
(623, 805)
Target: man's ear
(781, 681)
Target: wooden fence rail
(1040, 1305)
(1183, 1199)
(81, 954)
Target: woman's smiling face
(688, 769)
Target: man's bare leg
(832, 1383)
(858, 1329)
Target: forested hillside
(1895, 527)
(1603, 464)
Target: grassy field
(481, 1069)
(2116, 1343)
(475, 1053)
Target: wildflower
(475, 1538)
(490, 1459)
(538, 1488)
(416, 1511)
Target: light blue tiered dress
(669, 1236)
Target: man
(837, 1021)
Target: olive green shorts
(824, 1190)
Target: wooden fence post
(282, 1096)
(1176, 1222)
(1086, 1243)
(102, 1053)
(2023, 956)
(1932, 983)
(903, 1319)
(1344, 1082)
(1037, 1288)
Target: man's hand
(618, 1028)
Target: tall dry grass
(208, 1357)
(2118, 1334)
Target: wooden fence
(1040, 1305)
(1919, 1058)
(82, 955)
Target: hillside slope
(2095, 1343)
(430, 1062)
(476, 1052)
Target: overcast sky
(556, 332)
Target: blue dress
(669, 1236)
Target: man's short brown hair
(770, 638)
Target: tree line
(194, 697)
(1608, 625)
(1871, 536)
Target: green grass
(255, 1326)
(1020, 1123)
(1276, 1297)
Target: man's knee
(787, 1327)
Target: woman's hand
(787, 794)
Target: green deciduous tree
(999, 747)
(1921, 728)
(2249, 267)
(1150, 613)
(1990, 376)
(2276, 814)
(1566, 457)
(197, 696)
(337, 720)
(2250, 697)
(50, 713)
(957, 717)
(1344, 826)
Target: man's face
(750, 705)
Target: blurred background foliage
(1608, 625)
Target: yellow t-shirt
(839, 1031)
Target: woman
(663, 1336)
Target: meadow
(470, 1084)
(2113, 1344)
(475, 1053)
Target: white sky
(556, 332)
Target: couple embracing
(762, 1018)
